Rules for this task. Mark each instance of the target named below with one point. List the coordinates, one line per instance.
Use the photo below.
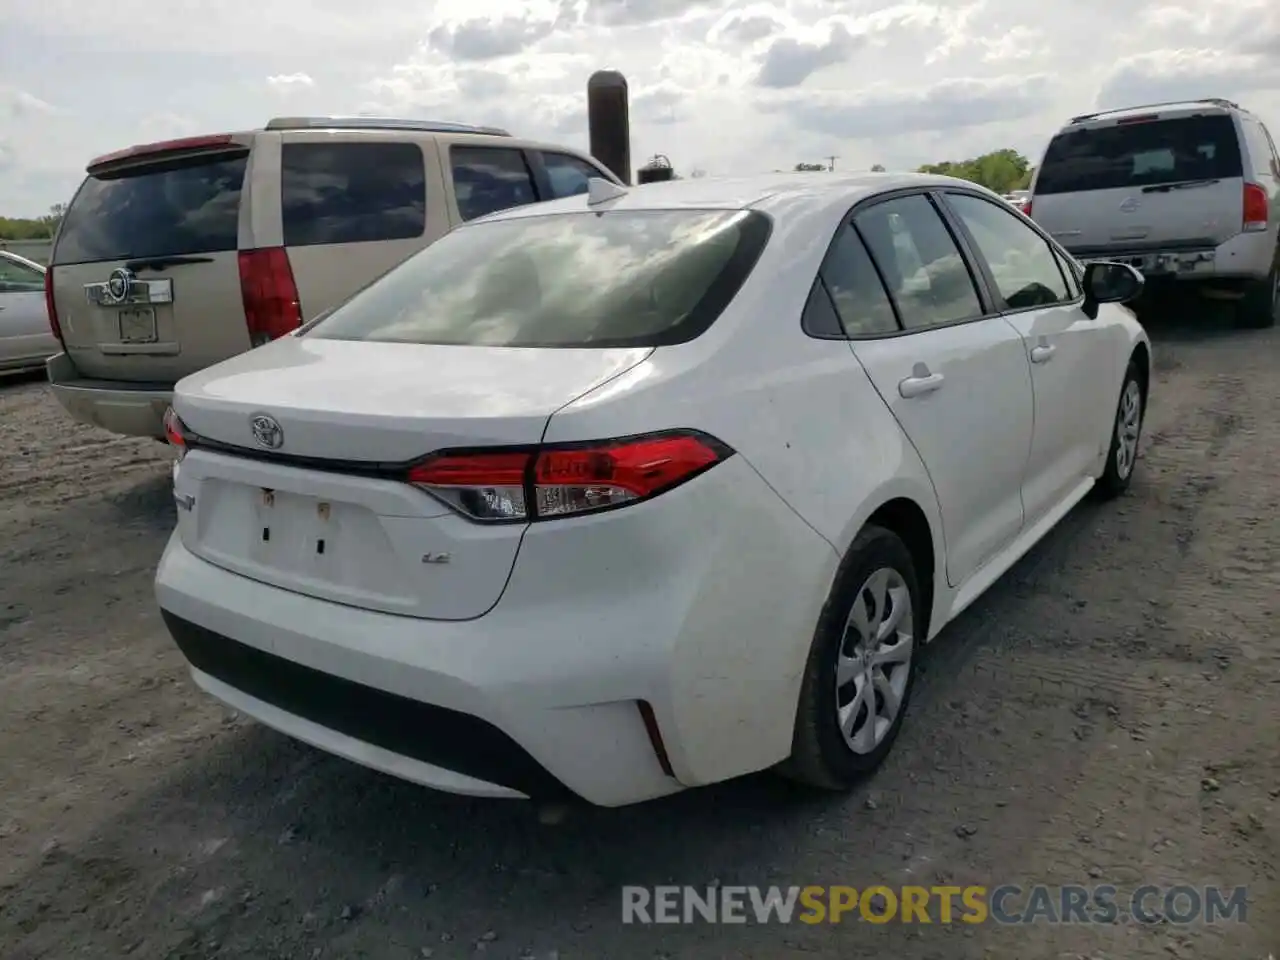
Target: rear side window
(175, 208)
(859, 296)
(920, 262)
(352, 192)
(1143, 154)
(568, 175)
(489, 179)
(1021, 261)
(17, 277)
(616, 279)
(1261, 156)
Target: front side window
(922, 267)
(615, 279)
(1146, 153)
(489, 179)
(1025, 271)
(352, 192)
(568, 175)
(17, 277)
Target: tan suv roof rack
(380, 123)
(1216, 101)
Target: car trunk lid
(145, 272)
(319, 504)
(1139, 183)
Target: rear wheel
(1122, 455)
(861, 668)
(1261, 304)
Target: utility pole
(832, 165)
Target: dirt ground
(1108, 713)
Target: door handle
(919, 384)
(1041, 353)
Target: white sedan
(649, 488)
(26, 339)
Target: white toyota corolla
(646, 488)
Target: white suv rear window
(1141, 154)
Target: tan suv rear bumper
(123, 408)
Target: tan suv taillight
(271, 305)
(51, 308)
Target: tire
(1126, 432)
(877, 564)
(1261, 304)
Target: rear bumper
(130, 409)
(1245, 257)
(541, 696)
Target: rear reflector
(271, 305)
(184, 145)
(51, 308)
(561, 481)
(1257, 208)
(175, 432)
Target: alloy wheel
(1128, 424)
(874, 660)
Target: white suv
(1184, 191)
(173, 256)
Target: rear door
(351, 209)
(1153, 182)
(168, 215)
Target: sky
(724, 87)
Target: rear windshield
(177, 208)
(615, 279)
(1141, 154)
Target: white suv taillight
(498, 485)
(1257, 208)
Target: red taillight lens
(50, 308)
(271, 305)
(569, 480)
(1026, 208)
(175, 432)
(1257, 208)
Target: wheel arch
(906, 519)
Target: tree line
(1000, 170)
(38, 228)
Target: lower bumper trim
(445, 738)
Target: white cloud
(286, 81)
(729, 86)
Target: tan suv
(173, 256)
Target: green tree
(1000, 170)
(877, 168)
(810, 167)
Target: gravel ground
(1107, 713)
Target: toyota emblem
(266, 431)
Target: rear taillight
(561, 481)
(1026, 208)
(271, 305)
(1257, 208)
(50, 308)
(175, 432)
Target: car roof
(1166, 111)
(770, 193)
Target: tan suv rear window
(174, 208)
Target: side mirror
(1106, 282)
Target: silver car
(26, 339)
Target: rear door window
(489, 179)
(173, 208)
(922, 267)
(859, 296)
(352, 192)
(1147, 153)
(17, 277)
(568, 175)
